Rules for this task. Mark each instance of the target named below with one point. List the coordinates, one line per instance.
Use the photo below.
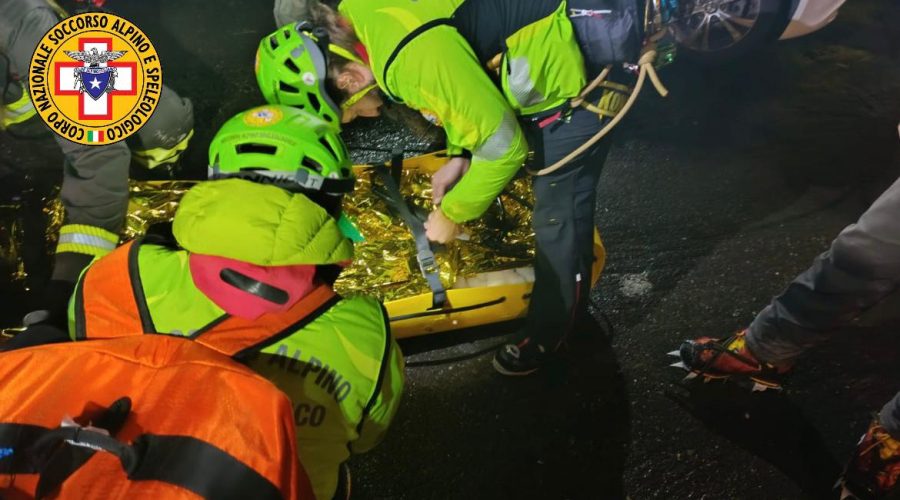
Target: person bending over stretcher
(496, 75)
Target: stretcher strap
(424, 254)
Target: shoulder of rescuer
(442, 59)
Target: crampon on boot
(727, 359)
(874, 468)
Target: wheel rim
(712, 25)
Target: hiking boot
(728, 359)
(874, 467)
(522, 358)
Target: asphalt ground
(711, 201)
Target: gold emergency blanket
(385, 263)
(11, 236)
(149, 202)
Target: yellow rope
(590, 88)
(646, 68)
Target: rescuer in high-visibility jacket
(95, 178)
(251, 246)
(496, 75)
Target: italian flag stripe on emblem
(95, 136)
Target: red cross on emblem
(67, 81)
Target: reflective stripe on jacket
(85, 239)
(152, 158)
(17, 111)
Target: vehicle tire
(716, 31)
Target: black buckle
(323, 40)
(427, 264)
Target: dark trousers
(859, 271)
(563, 225)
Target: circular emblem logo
(95, 78)
(309, 78)
(262, 117)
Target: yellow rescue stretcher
(477, 302)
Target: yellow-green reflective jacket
(439, 69)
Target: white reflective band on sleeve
(520, 84)
(497, 145)
(25, 107)
(18, 111)
(86, 239)
(152, 158)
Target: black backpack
(608, 31)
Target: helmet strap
(316, 182)
(355, 98)
(320, 35)
(346, 54)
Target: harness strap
(183, 461)
(434, 23)
(240, 337)
(66, 460)
(320, 183)
(424, 253)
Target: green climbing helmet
(292, 69)
(283, 146)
